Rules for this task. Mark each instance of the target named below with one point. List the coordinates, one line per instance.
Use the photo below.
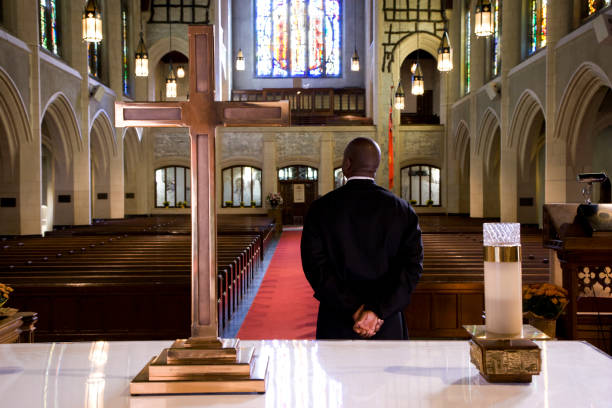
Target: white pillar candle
(503, 283)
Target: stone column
(453, 80)
(326, 164)
(116, 192)
(269, 170)
(477, 63)
(559, 18)
(559, 24)
(510, 57)
(29, 199)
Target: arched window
(49, 25)
(241, 186)
(421, 185)
(297, 38)
(494, 49)
(173, 187)
(298, 173)
(466, 56)
(338, 178)
(124, 48)
(537, 25)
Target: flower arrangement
(275, 199)
(4, 293)
(413, 202)
(229, 203)
(429, 203)
(166, 204)
(544, 300)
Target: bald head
(361, 158)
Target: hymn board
(201, 114)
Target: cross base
(203, 366)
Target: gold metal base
(203, 366)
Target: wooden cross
(201, 114)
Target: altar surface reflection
(307, 374)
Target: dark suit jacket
(361, 245)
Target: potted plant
(242, 204)
(253, 204)
(166, 204)
(181, 204)
(4, 293)
(413, 202)
(543, 303)
(229, 203)
(430, 203)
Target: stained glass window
(94, 65)
(421, 185)
(242, 187)
(297, 38)
(124, 48)
(298, 173)
(591, 7)
(495, 45)
(467, 42)
(173, 187)
(537, 25)
(49, 27)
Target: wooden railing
(314, 105)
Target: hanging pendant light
(240, 65)
(399, 97)
(418, 85)
(171, 83)
(141, 67)
(483, 19)
(180, 72)
(355, 61)
(92, 22)
(445, 54)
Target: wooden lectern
(581, 234)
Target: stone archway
(107, 187)
(485, 168)
(461, 152)
(62, 138)
(584, 92)
(19, 191)
(156, 53)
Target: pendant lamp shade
(399, 97)
(92, 22)
(180, 72)
(418, 84)
(171, 84)
(240, 65)
(142, 59)
(355, 61)
(483, 19)
(445, 54)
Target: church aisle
(284, 307)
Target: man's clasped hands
(367, 323)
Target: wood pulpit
(581, 235)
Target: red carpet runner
(284, 307)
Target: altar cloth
(307, 374)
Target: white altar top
(307, 374)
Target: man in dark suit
(362, 253)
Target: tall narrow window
(467, 42)
(241, 186)
(94, 62)
(495, 45)
(48, 19)
(124, 48)
(297, 38)
(537, 25)
(173, 187)
(421, 185)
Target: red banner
(391, 148)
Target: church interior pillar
(269, 171)
(113, 46)
(116, 193)
(510, 54)
(29, 198)
(326, 164)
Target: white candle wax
(503, 298)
